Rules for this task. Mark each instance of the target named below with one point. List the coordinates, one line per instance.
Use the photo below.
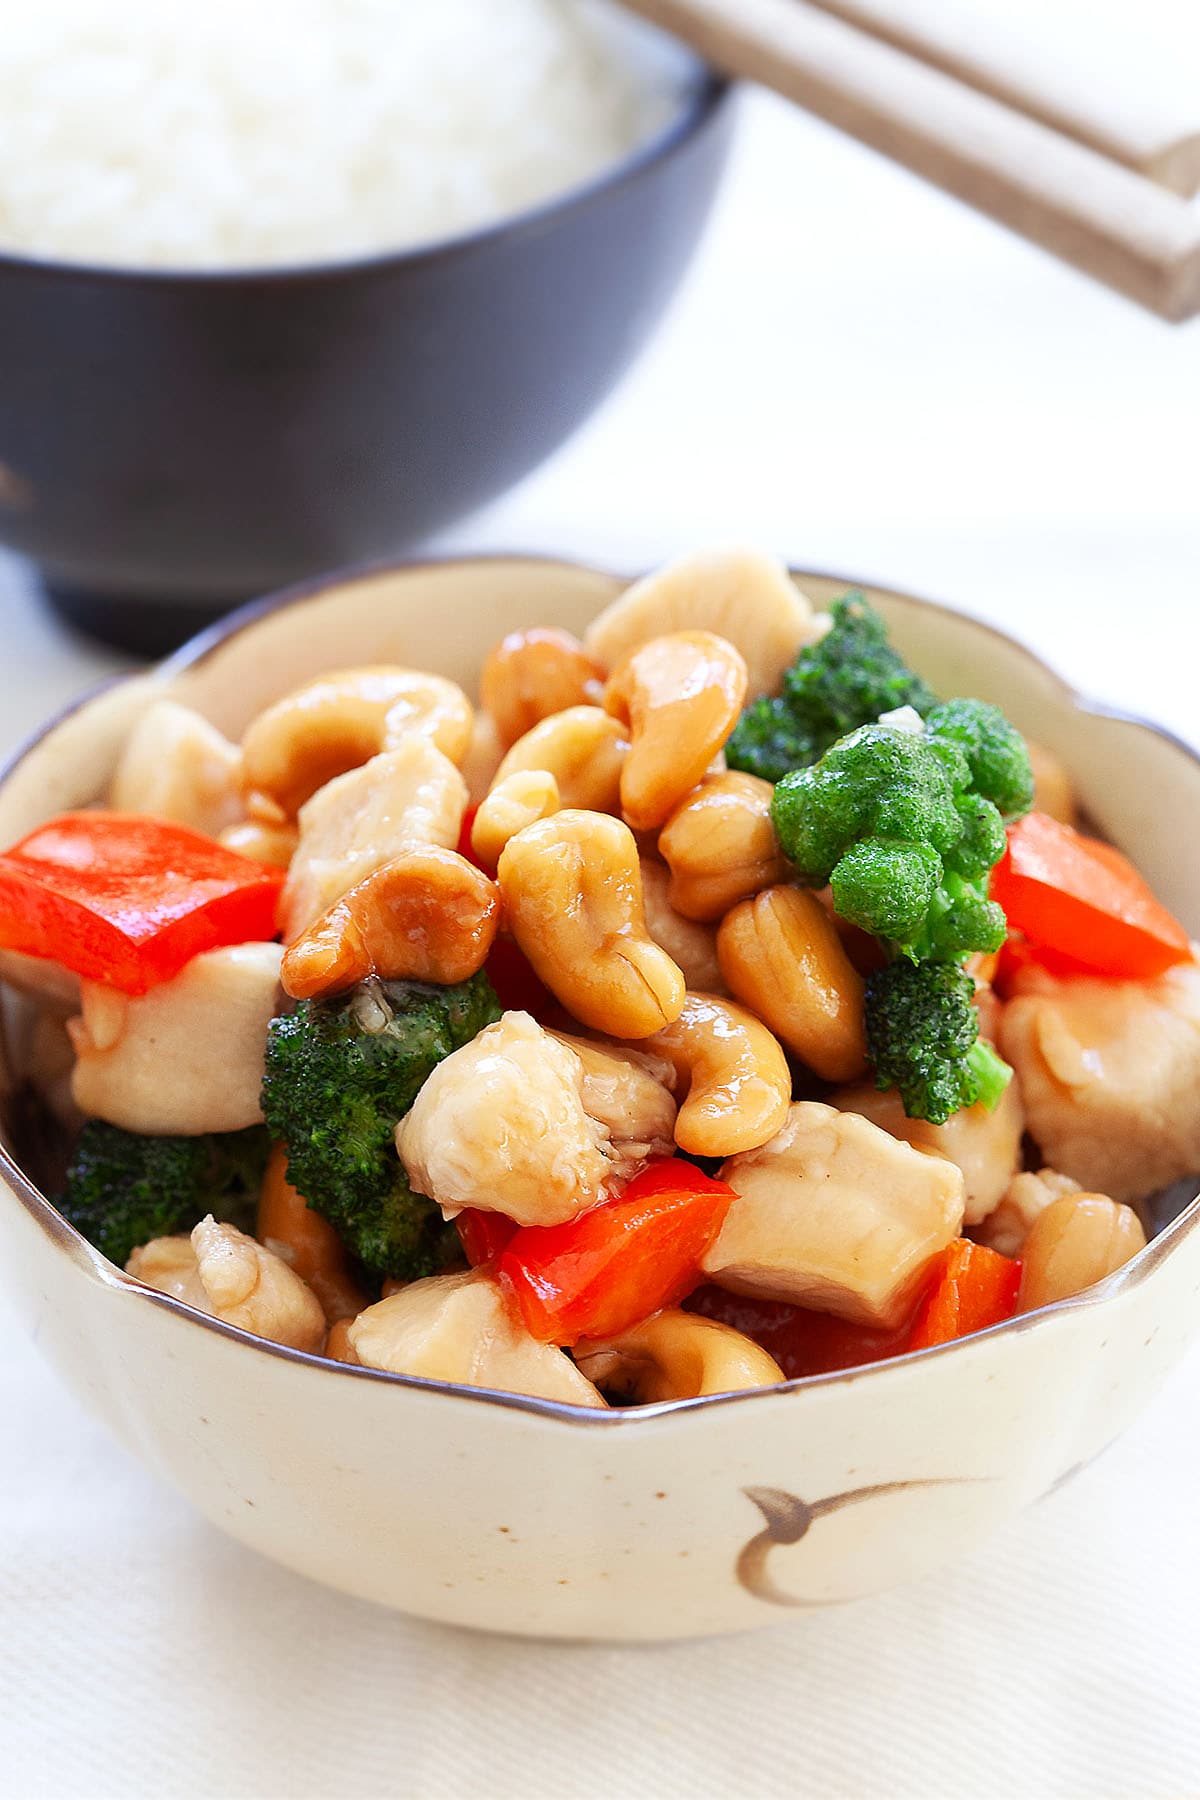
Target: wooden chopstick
(1112, 224)
(1129, 125)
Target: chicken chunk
(460, 1328)
(404, 799)
(222, 1272)
(630, 1096)
(1109, 1074)
(501, 1125)
(188, 1055)
(178, 766)
(835, 1214)
(986, 1146)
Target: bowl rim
(92, 1263)
(702, 93)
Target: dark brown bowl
(172, 443)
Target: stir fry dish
(711, 1004)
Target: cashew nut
(835, 1214)
(460, 1328)
(501, 1124)
(519, 800)
(428, 915)
(720, 845)
(676, 1356)
(405, 799)
(1053, 791)
(781, 955)
(738, 1082)
(572, 894)
(222, 1272)
(740, 594)
(177, 766)
(483, 757)
(1076, 1241)
(1028, 1194)
(692, 945)
(288, 1227)
(681, 695)
(342, 720)
(271, 844)
(188, 1055)
(583, 748)
(531, 674)
(338, 1347)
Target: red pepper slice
(1018, 954)
(1082, 899)
(974, 1287)
(517, 987)
(620, 1262)
(128, 900)
(464, 838)
(802, 1342)
(483, 1235)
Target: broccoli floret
(923, 1039)
(847, 678)
(340, 1074)
(124, 1189)
(892, 819)
(995, 752)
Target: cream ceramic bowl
(519, 1515)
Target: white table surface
(874, 381)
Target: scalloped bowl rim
(67, 1239)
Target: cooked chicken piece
(404, 799)
(986, 1146)
(835, 1214)
(501, 1125)
(188, 1055)
(460, 1328)
(690, 945)
(742, 595)
(222, 1272)
(1025, 1198)
(1109, 1074)
(630, 1097)
(178, 766)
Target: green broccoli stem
(991, 1072)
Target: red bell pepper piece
(517, 987)
(802, 1342)
(974, 1287)
(483, 1235)
(128, 900)
(1076, 897)
(464, 838)
(620, 1262)
(1018, 954)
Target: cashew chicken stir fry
(708, 1004)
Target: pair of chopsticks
(1112, 202)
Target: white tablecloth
(873, 380)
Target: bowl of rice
(287, 285)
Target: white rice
(235, 133)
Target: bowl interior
(444, 616)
